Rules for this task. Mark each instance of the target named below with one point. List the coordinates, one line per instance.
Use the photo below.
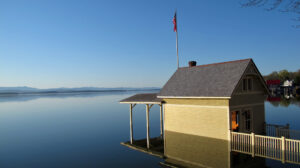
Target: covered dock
(148, 99)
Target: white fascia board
(140, 103)
(186, 97)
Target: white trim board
(246, 105)
(187, 97)
(140, 103)
(192, 105)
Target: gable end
(251, 82)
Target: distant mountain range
(30, 90)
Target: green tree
(285, 102)
(297, 77)
(273, 76)
(283, 75)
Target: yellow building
(204, 104)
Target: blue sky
(56, 43)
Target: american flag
(175, 22)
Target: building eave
(191, 97)
(137, 102)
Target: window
(244, 84)
(248, 126)
(247, 84)
(235, 121)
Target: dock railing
(286, 150)
(282, 130)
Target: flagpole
(177, 47)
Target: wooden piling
(148, 132)
(131, 127)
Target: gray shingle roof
(142, 98)
(212, 80)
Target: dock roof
(144, 98)
(208, 81)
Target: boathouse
(205, 103)
(210, 100)
(209, 111)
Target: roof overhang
(190, 97)
(139, 102)
(144, 98)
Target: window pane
(244, 84)
(249, 84)
(247, 120)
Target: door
(235, 121)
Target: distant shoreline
(27, 91)
(11, 97)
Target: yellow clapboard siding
(197, 120)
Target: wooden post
(147, 120)
(283, 149)
(164, 122)
(131, 127)
(253, 143)
(161, 121)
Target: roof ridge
(204, 65)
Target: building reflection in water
(183, 150)
(284, 100)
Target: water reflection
(195, 150)
(67, 130)
(184, 150)
(85, 130)
(284, 100)
(28, 97)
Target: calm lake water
(85, 130)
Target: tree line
(283, 75)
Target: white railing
(282, 130)
(286, 150)
(292, 151)
(269, 147)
